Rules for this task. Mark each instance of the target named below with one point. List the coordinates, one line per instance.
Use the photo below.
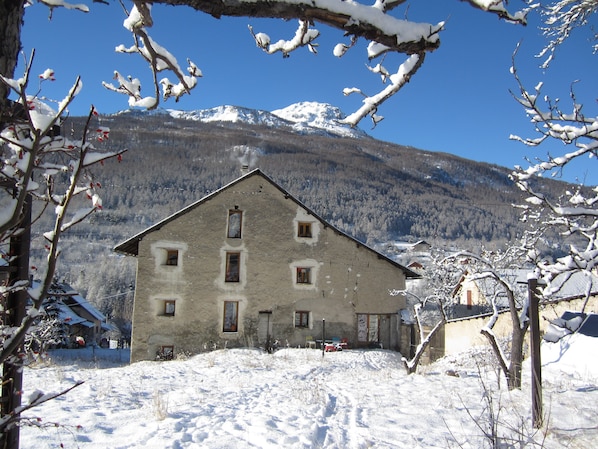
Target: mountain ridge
(311, 118)
(375, 191)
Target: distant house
(416, 256)
(249, 264)
(476, 296)
(570, 292)
(82, 321)
(416, 266)
(420, 246)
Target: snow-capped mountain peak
(228, 113)
(310, 114)
(304, 118)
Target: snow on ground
(297, 398)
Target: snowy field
(295, 398)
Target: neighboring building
(249, 264)
(81, 321)
(571, 292)
(420, 247)
(416, 256)
(476, 296)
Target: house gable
(130, 247)
(249, 264)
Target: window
(303, 275)
(234, 224)
(169, 306)
(233, 262)
(231, 316)
(172, 257)
(304, 229)
(469, 300)
(166, 352)
(301, 319)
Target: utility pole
(536, 361)
(12, 369)
(323, 336)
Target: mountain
(309, 115)
(375, 191)
(308, 118)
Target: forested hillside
(373, 190)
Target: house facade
(249, 264)
(475, 296)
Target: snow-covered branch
(574, 214)
(36, 399)
(561, 18)
(397, 81)
(33, 150)
(372, 22)
(304, 36)
(159, 59)
(499, 7)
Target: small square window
(302, 319)
(304, 229)
(303, 275)
(169, 307)
(172, 257)
(235, 220)
(233, 262)
(166, 353)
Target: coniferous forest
(373, 190)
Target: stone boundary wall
(464, 333)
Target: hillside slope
(373, 190)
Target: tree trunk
(514, 375)
(411, 365)
(11, 19)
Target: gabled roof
(131, 246)
(74, 309)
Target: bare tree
(498, 269)
(431, 303)
(573, 216)
(40, 165)
(411, 363)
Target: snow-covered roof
(68, 316)
(78, 300)
(572, 322)
(131, 246)
(565, 286)
(74, 309)
(572, 285)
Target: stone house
(250, 264)
(475, 296)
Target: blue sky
(459, 101)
